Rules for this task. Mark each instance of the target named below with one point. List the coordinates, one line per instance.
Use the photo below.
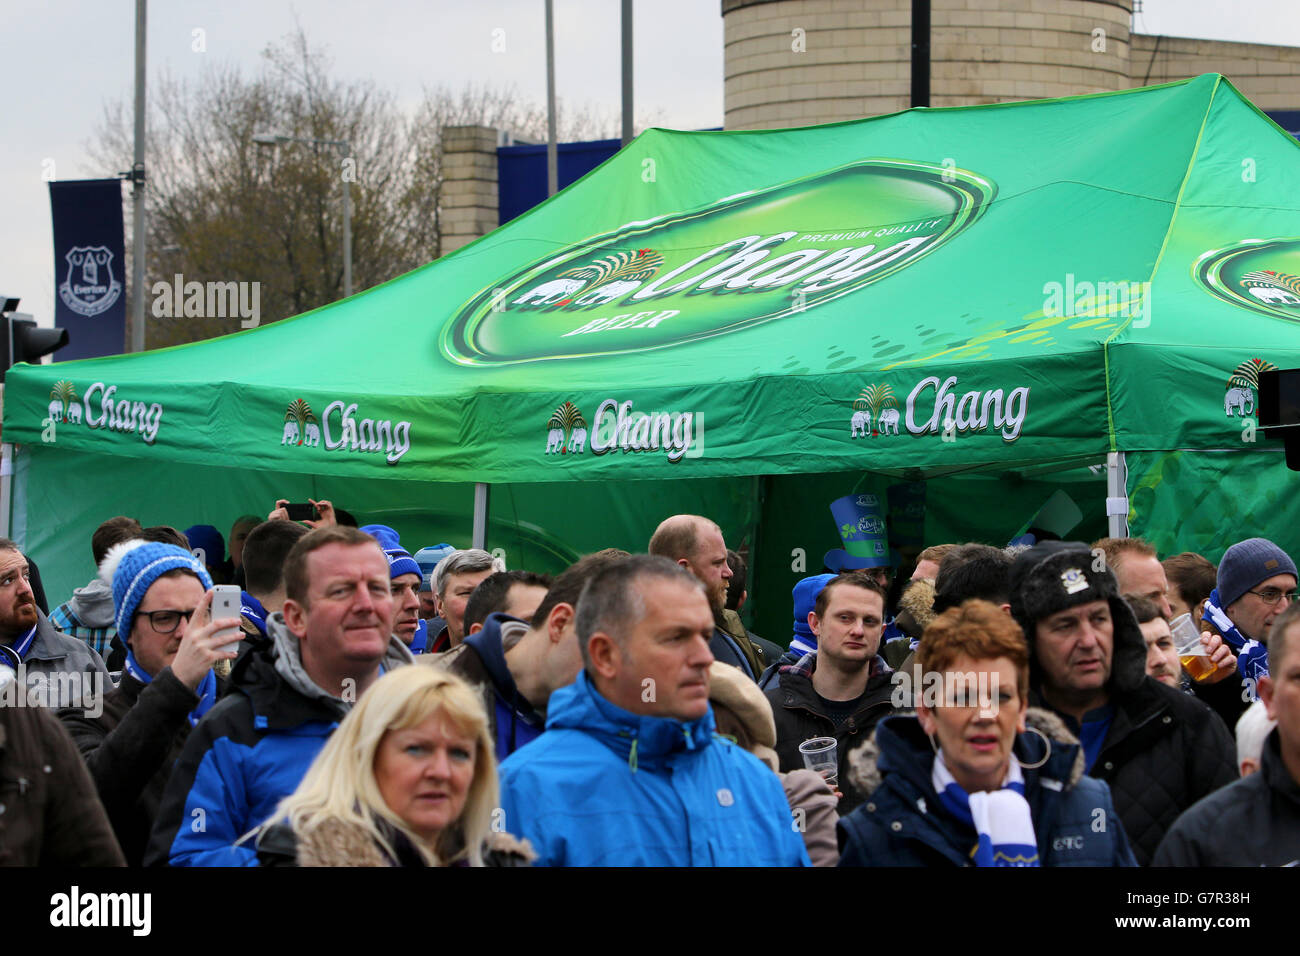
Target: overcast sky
(66, 58)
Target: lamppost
(275, 139)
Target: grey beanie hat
(1246, 564)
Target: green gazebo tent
(999, 301)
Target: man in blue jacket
(331, 642)
(629, 771)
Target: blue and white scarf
(207, 689)
(1000, 818)
(420, 640)
(13, 656)
(1252, 656)
(251, 608)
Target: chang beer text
(743, 261)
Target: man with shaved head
(696, 544)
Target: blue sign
(89, 266)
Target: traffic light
(22, 341)
(1279, 410)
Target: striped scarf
(1000, 818)
(1252, 656)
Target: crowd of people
(1050, 703)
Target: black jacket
(130, 749)
(800, 716)
(1164, 751)
(1253, 822)
(51, 815)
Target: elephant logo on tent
(63, 406)
(300, 425)
(89, 287)
(566, 430)
(874, 402)
(1242, 386)
(597, 283)
(1272, 288)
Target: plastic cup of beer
(819, 755)
(1191, 652)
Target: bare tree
(223, 208)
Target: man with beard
(58, 670)
(696, 544)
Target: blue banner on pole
(89, 266)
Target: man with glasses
(57, 670)
(1256, 582)
(161, 596)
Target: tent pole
(480, 515)
(6, 486)
(1116, 495)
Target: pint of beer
(1191, 652)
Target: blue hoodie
(606, 787)
(515, 720)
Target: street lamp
(275, 139)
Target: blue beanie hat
(209, 539)
(388, 538)
(400, 562)
(132, 567)
(427, 559)
(1246, 564)
(805, 600)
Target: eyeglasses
(164, 622)
(1273, 595)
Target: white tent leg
(1116, 495)
(480, 514)
(6, 486)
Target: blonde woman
(408, 779)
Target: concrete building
(802, 62)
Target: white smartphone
(226, 602)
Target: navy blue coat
(902, 822)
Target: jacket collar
(1274, 768)
(637, 738)
(265, 672)
(48, 644)
(899, 745)
(796, 680)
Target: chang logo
(743, 261)
(617, 426)
(1262, 275)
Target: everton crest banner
(89, 266)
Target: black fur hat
(1057, 575)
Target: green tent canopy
(991, 300)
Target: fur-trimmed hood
(905, 740)
(336, 843)
(916, 608)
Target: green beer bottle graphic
(747, 259)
